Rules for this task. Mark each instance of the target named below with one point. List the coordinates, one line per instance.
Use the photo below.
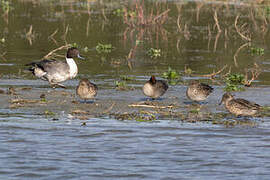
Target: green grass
(154, 53)
(104, 48)
(234, 82)
(171, 75)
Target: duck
(239, 107)
(155, 88)
(55, 71)
(197, 91)
(86, 90)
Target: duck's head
(153, 79)
(73, 52)
(194, 82)
(84, 82)
(226, 97)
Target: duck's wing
(246, 103)
(92, 87)
(162, 85)
(206, 88)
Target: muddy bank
(37, 99)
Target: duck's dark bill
(80, 57)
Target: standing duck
(197, 91)
(155, 88)
(86, 90)
(239, 107)
(56, 71)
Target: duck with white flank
(155, 88)
(239, 107)
(86, 90)
(56, 71)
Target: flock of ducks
(56, 72)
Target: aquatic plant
(172, 76)
(85, 49)
(234, 82)
(49, 113)
(257, 51)
(126, 78)
(120, 85)
(104, 48)
(154, 53)
(6, 6)
(121, 12)
(3, 40)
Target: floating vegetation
(234, 82)
(126, 78)
(49, 113)
(6, 6)
(257, 51)
(104, 48)
(121, 85)
(85, 49)
(172, 76)
(124, 12)
(154, 53)
(141, 116)
(3, 40)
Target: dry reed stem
(151, 106)
(212, 75)
(255, 72)
(3, 56)
(179, 24)
(238, 30)
(238, 50)
(52, 37)
(216, 41)
(51, 53)
(109, 109)
(216, 21)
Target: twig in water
(109, 109)
(57, 49)
(216, 20)
(255, 72)
(245, 37)
(212, 75)
(150, 106)
(236, 53)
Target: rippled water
(33, 147)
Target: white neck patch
(73, 69)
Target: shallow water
(33, 147)
(48, 140)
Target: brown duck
(197, 91)
(86, 90)
(239, 107)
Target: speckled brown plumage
(86, 89)
(197, 91)
(239, 107)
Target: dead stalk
(3, 56)
(240, 31)
(255, 72)
(216, 21)
(150, 106)
(238, 50)
(212, 75)
(50, 54)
